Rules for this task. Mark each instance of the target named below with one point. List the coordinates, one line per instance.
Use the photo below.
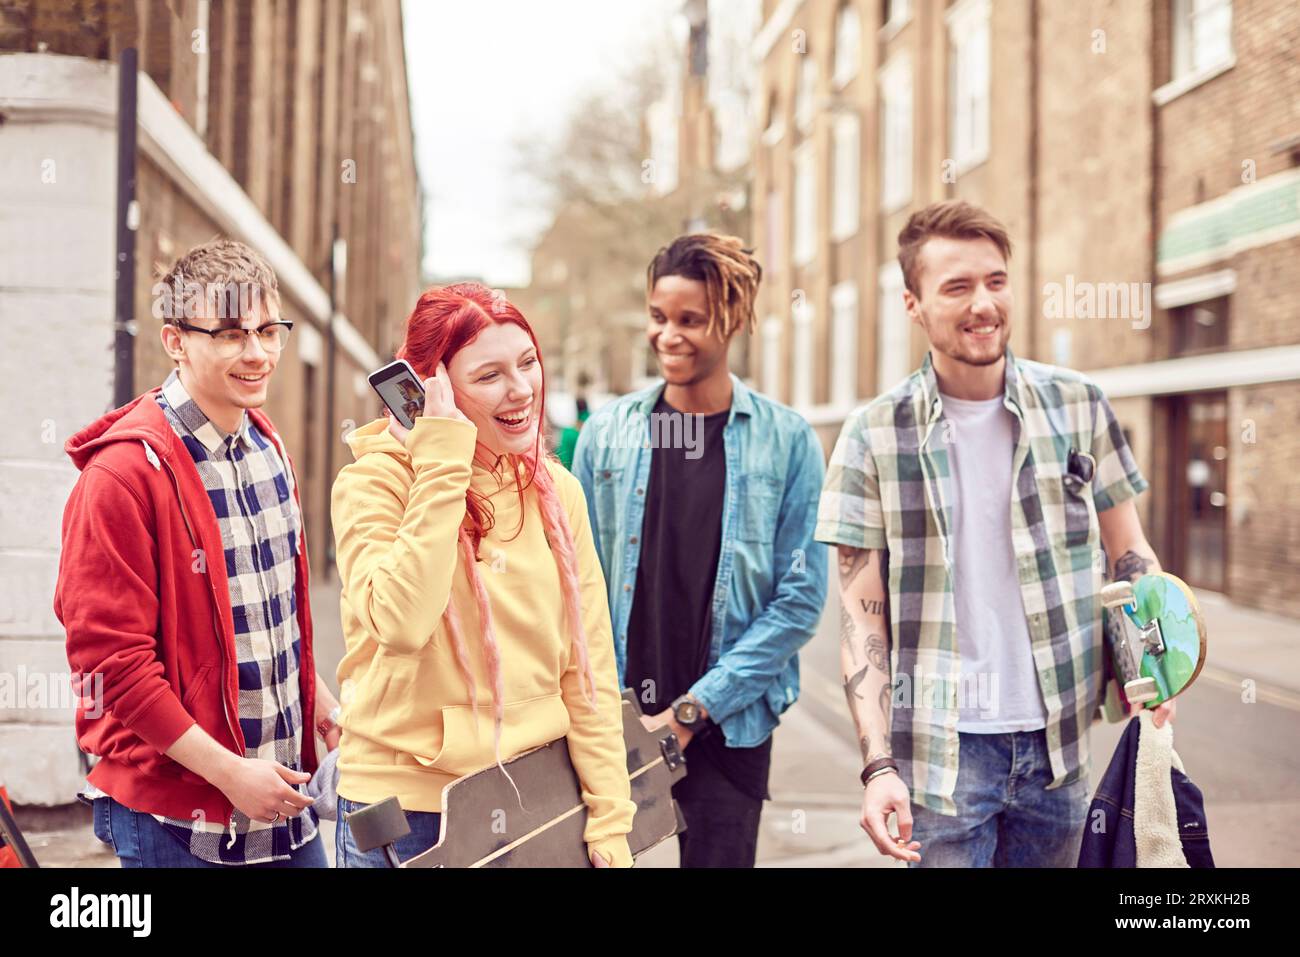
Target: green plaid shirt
(889, 486)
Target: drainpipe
(1035, 67)
(338, 274)
(127, 220)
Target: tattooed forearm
(864, 646)
(878, 652)
(886, 701)
(1131, 566)
(852, 561)
(846, 633)
(851, 685)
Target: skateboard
(482, 824)
(1156, 636)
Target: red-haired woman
(472, 592)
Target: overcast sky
(482, 74)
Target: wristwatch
(688, 713)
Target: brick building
(1145, 158)
(284, 124)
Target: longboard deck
(483, 825)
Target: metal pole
(128, 219)
(338, 278)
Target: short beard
(958, 354)
(982, 362)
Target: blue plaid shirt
(251, 493)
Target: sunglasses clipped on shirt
(1080, 468)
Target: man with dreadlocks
(702, 496)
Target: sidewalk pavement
(812, 820)
(1247, 644)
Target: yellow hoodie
(408, 727)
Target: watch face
(687, 712)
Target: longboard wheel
(378, 825)
(1117, 594)
(1141, 690)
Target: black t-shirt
(668, 633)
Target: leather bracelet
(879, 764)
(876, 774)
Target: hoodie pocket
(198, 684)
(467, 743)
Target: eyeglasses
(229, 343)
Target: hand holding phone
(439, 401)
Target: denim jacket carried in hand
(771, 578)
(1146, 812)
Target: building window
(848, 44)
(802, 356)
(805, 204)
(845, 175)
(774, 221)
(895, 339)
(1201, 35)
(661, 119)
(896, 134)
(968, 82)
(731, 136)
(805, 101)
(844, 343)
(894, 13)
(1200, 326)
(773, 128)
(772, 356)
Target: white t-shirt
(999, 686)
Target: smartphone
(401, 390)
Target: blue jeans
(425, 829)
(1005, 817)
(139, 840)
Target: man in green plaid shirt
(970, 506)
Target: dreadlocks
(729, 271)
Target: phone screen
(401, 391)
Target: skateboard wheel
(1117, 594)
(378, 825)
(1141, 690)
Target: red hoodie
(142, 593)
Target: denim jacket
(771, 578)
(1125, 827)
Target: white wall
(57, 176)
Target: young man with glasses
(183, 588)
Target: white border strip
(1211, 285)
(73, 88)
(1220, 370)
(1190, 81)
